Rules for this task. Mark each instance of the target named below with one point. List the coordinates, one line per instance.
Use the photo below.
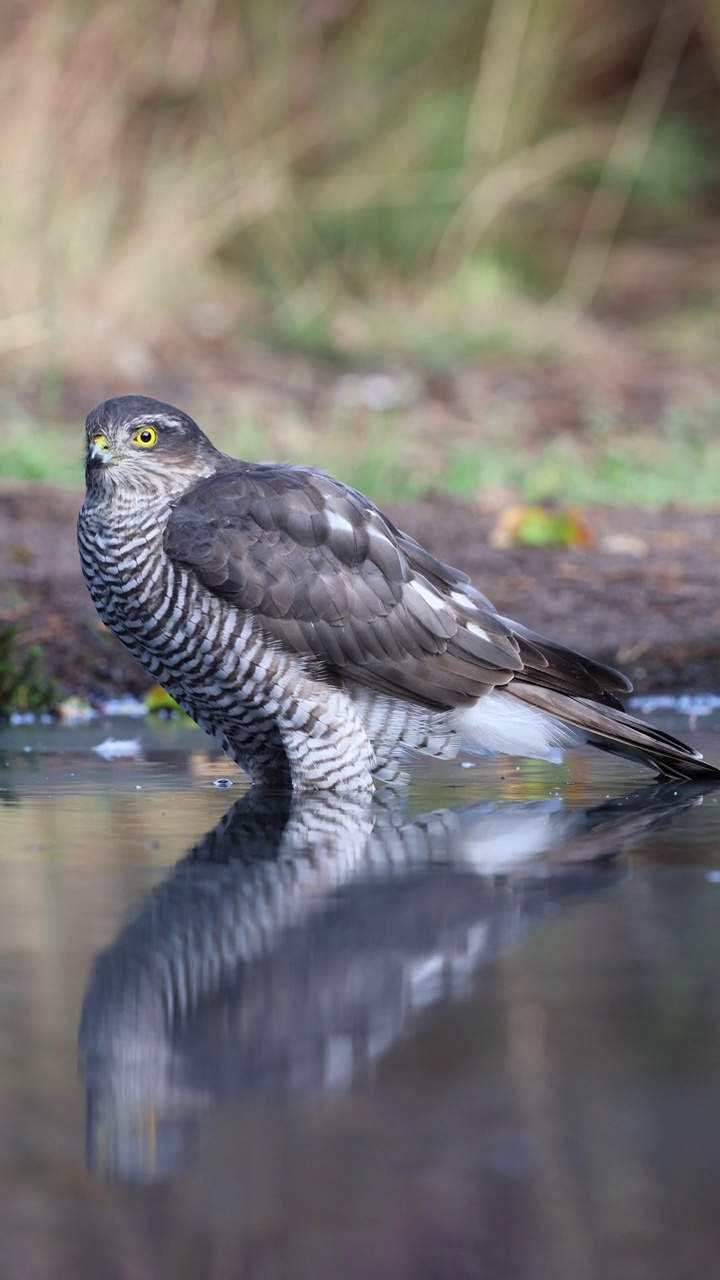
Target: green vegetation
(399, 455)
(678, 461)
(24, 687)
(41, 450)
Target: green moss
(24, 686)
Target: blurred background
(469, 248)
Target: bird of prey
(316, 641)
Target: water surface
(473, 1030)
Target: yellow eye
(146, 437)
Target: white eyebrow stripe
(435, 601)
(338, 523)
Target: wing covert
(328, 576)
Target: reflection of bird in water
(301, 938)
(291, 619)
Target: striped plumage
(315, 640)
(304, 935)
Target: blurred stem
(521, 175)
(496, 84)
(627, 155)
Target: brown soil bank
(644, 596)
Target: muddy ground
(643, 595)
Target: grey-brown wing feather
(329, 577)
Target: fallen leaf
(538, 526)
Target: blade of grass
(625, 156)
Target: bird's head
(138, 444)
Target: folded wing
(331, 578)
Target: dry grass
(181, 169)
(111, 225)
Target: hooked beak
(99, 450)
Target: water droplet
(222, 782)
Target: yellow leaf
(527, 525)
(156, 699)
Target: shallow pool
(470, 1031)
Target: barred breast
(276, 714)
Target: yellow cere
(145, 437)
(100, 442)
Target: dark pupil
(146, 436)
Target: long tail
(614, 730)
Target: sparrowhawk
(319, 643)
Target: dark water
(470, 1032)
